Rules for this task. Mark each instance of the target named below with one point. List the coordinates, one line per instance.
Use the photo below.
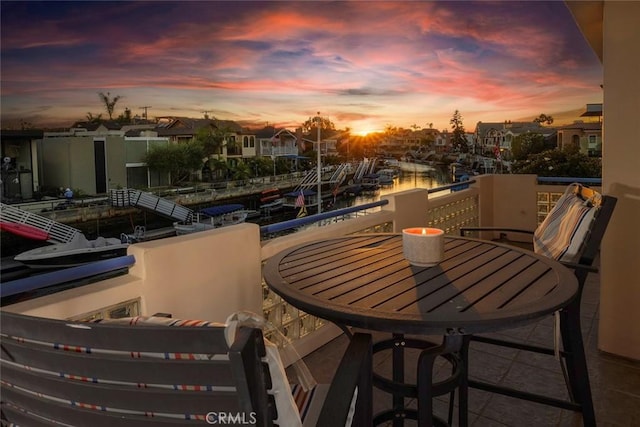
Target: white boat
(273, 206)
(213, 217)
(251, 213)
(78, 251)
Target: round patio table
(364, 281)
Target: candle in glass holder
(423, 246)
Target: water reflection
(411, 176)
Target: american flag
(496, 150)
(299, 200)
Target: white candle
(423, 246)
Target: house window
(592, 142)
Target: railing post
(410, 208)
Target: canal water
(410, 176)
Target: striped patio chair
(164, 372)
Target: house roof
(583, 126)
(93, 126)
(16, 134)
(270, 132)
(516, 128)
(593, 110)
(186, 126)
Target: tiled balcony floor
(615, 382)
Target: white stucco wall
(619, 327)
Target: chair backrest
(573, 229)
(95, 374)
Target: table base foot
(451, 349)
(399, 416)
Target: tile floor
(615, 382)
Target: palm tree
(220, 167)
(94, 119)
(110, 104)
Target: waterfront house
(585, 135)
(272, 142)
(490, 137)
(94, 161)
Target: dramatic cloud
(362, 64)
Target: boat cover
(306, 192)
(222, 209)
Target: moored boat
(78, 251)
(213, 217)
(24, 230)
(270, 195)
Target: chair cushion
(563, 232)
(286, 407)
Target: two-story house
(584, 135)
(491, 138)
(94, 161)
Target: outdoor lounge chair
(571, 233)
(57, 372)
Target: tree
(529, 143)
(219, 167)
(110, 104)
(458, 137)
(282, 165)
(94, 119)
(311, 126)
(390, 130)
(213, 139)
(260, 166)
(179, 160)
(241, 171)
(559, 163)
(125, 118)
(543, 118)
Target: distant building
(18, 164)
(96, 161)
(491, 137)
(585, 135)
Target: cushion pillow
(562, 234)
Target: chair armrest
(355, 370)
(463, 230)
(577, 266)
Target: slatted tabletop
(364, 281)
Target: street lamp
(318, 120)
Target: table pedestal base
(451, 350)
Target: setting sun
(364, 132)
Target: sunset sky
(362, 64)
